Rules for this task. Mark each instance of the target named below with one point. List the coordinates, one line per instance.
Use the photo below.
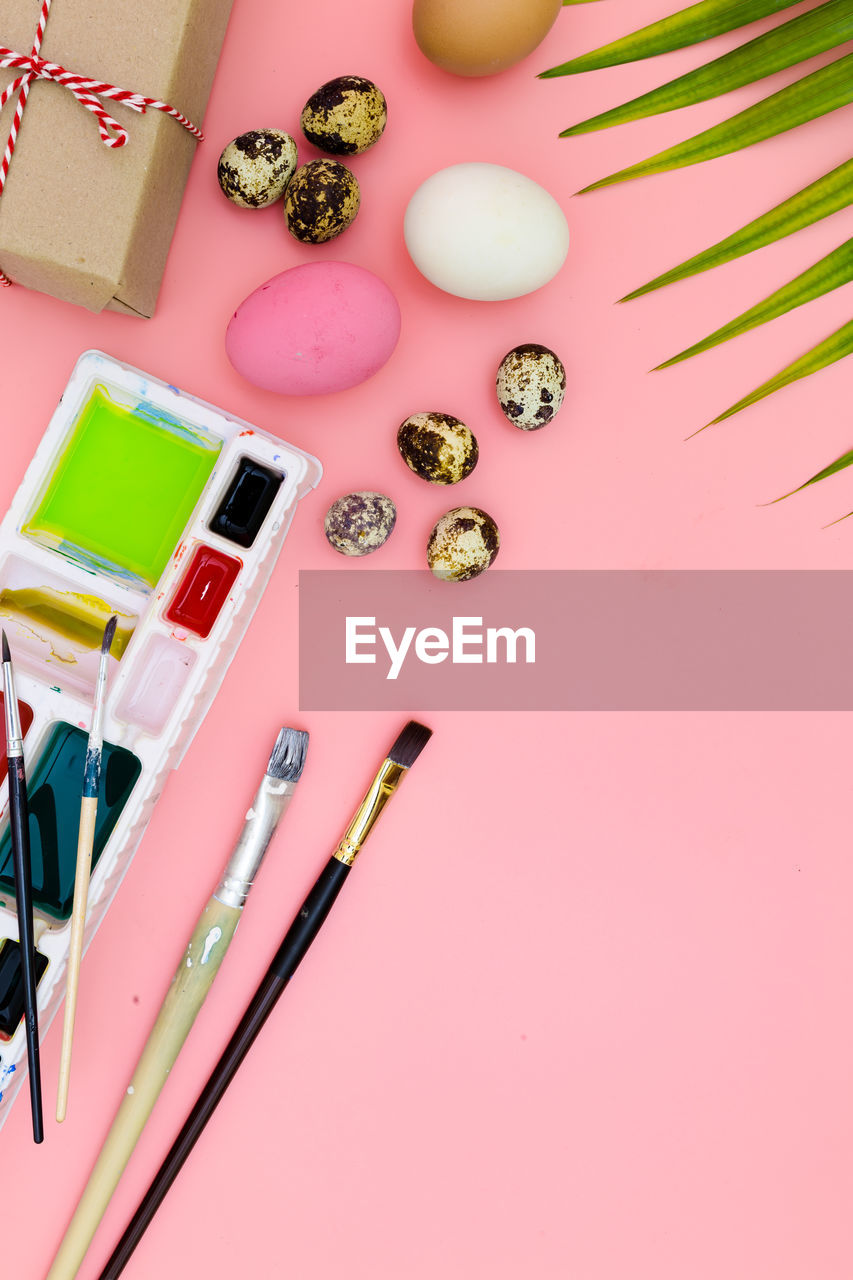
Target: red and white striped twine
(87, 92)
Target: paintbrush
(20, 833)
(192, 981)
(297, 940)
(83, 870)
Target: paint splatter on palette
(146, 503)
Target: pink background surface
(584, 1008)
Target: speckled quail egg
(531, 384)
(345, 116)
(255, 168)
(437, 447)
(321, 201)
(463, 544)
(359, 523)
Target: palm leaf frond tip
(829, 194)
(839, 464)
(814, 95)
(810, 33)
(689, 26)
(835, 347)
(831, 272)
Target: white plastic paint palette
(149, 504)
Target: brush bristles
(410, 744)
(288, 755)
(7, 657)
(109, 632)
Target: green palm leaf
(839, 464)
(826, 196)
(810, 33)
(689, 26)
(815, 95)
(827, 24)
(830, 273)
(835, 347)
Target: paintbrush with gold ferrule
(193, 979)
(297, 940)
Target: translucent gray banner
(620, 640)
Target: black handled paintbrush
(20, 833)
(297, 940)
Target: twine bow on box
(87, 92)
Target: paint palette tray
(144, 502)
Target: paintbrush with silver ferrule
(19, 827)
(297, 940)
(192, 981)
(83, 869)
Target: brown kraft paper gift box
(85, 222)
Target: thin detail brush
(83, 870)
(194, 977)
(297, 940)
(20, 833)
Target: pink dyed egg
(313, 329)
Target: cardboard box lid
(82, 221)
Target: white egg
(486, 232)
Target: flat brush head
(7, 657)
(109, 632)
(288, 755)
(410, 743)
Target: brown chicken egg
(481, 37)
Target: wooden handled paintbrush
(83, 871)
(196, 970)
(297, 940)
(19, 826)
